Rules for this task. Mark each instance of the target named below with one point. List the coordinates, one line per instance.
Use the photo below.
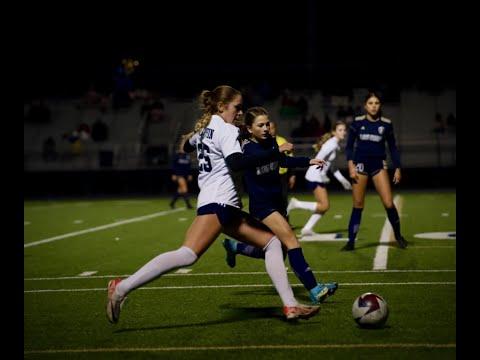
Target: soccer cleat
(349, 246)
(320, 292)
(402, 243)
(300, 311)
(230, 248)
(291, 205)
(114, 304)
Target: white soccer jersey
(328, 152)
(214, 144)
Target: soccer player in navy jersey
(181, 175)
(366, 155)
(215, 139)
(266, 202)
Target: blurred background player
(266, 203)
(181, 175)
(218, 206)
(366, 155)
(326, 147)
(287, 178)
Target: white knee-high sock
(312, 221)
(275, 266)
(306, 205)
(154, 268)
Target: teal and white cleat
(320, 292)
(231, 249)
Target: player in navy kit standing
(218, 207)
(369, 133)
(266, 203)
(181, 175)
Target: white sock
(312, 221)
(275, 266)
(306, 205)
(154, 268)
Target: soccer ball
(370, 310)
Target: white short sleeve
(229, 143)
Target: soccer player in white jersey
(218, 207)
(317, 179)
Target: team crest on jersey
(362, 128)
(381, 130)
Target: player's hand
(318, 162)
(189, 178)
(397, 176)
(347, 185)
(174, 177)
(291, 182)
(285, 147)
(353, 175)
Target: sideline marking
(102, 227)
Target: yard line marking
(78, 221)
(87, 273)
(381, 255)
(244, 347)
(245, 273)
(183, 271)
(241, 286)
(102, 227)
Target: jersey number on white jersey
(204, 163)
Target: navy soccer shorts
(370, 167)
(312, 185)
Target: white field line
(242, 286)
(246, 347)
(381, 255)
(245, 273)
(102, 227)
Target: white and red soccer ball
(370, 310)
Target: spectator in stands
(49, 151)
(123, 89)
(440, 126)
(99, 130)
(156, 112)
(451, 122)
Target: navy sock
(251, 251)
(394, 219)
(354, 224)
(187, 201)
(301, 268)
(175, 197)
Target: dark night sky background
(184, 48)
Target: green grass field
(217, 312)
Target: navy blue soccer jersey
(366, 140)
(263, 182)
(181, 164)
